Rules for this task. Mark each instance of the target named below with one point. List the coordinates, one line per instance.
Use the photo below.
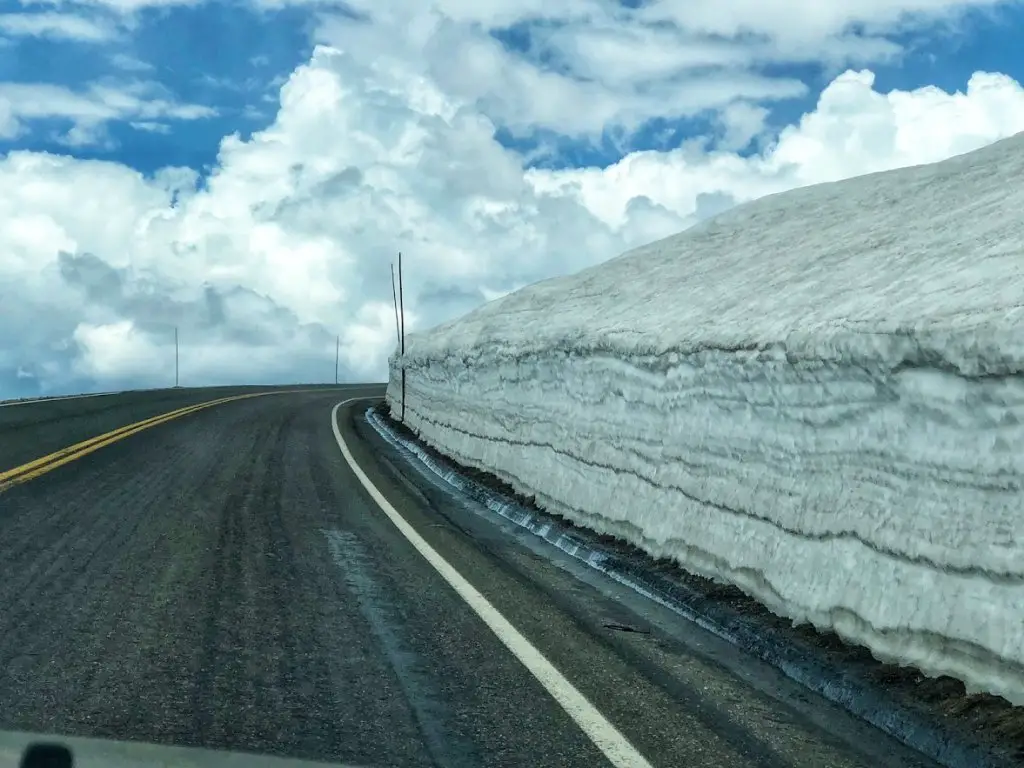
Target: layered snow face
(817, 397)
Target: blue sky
(232, 58)
(987, 41)
(226, 56)
(496, 142)
(984, 40)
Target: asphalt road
(223, 580)
(29, 429)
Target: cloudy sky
(246, 171)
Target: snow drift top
(921, 265)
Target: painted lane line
(64, 456)
(104, 438)
(605, 736)
(59, 458)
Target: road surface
(224, 580)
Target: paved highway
(226, 580)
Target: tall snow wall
(817, 397)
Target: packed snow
(817, 396)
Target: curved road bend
(224, 580)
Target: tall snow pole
(401, 301)
(175, 357)
(401, 307)
(394, 295)
(337, 357)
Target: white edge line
(605, 736)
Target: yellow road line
(65, 455)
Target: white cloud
(606, 66)
(588, 95)
(88, 110)
(150, 127)
(114, 349)
(384, 141)
(86, 133)
(741, 122)
(798, 23)
(130, 63)
(853, 130)
(62, 26)
(289, 241)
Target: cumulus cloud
(380, 143)
(289, 241)
(581, 66)
(578, 88)
(853, 130)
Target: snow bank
(817, 396)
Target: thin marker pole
(401, 305)
(394, 295)
(401, 299)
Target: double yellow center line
(65, 455)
